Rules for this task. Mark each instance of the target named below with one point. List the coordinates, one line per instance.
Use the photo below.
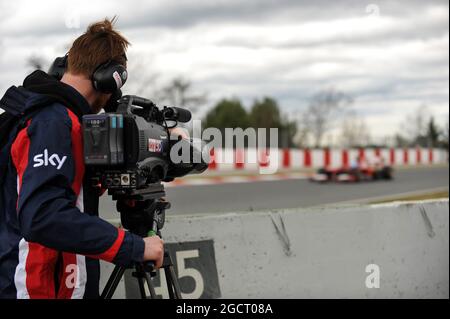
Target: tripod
(146, 218)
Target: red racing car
(355, 174)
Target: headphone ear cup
(58, 67)
(109, 77)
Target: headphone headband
(107, 78)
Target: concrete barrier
(398, 250)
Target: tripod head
(142, 211)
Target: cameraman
(51, 237)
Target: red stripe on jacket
(109, 254)
(66, 288)
(77, 153)
(40, 270)
(19, 153)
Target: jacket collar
(42, 83)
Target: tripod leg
(169, 282)
(141, 275)
(148, 279)
(113, 282)
(110, 280)
(175, 284)
(172, 283)
(141, 288)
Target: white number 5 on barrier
(181, 256)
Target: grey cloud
(185, 14)
(181, 14)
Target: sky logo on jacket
(45, 160)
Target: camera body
(130, 148)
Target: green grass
(427, 196)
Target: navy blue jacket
(51, 237)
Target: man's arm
(43, 154)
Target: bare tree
(325, 107)
(414, 126)
(445, 136)
(354, 132)
(142, 80)
(302, 136)
(178, 92)
(36, 62)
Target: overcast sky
(391, 56)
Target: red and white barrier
(253, 159)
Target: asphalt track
(262, 195)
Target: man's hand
(154, 250)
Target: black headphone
(108, 77)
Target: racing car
(353, 174)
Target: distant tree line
(264, 113)
(420, 129)
(326, 108)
